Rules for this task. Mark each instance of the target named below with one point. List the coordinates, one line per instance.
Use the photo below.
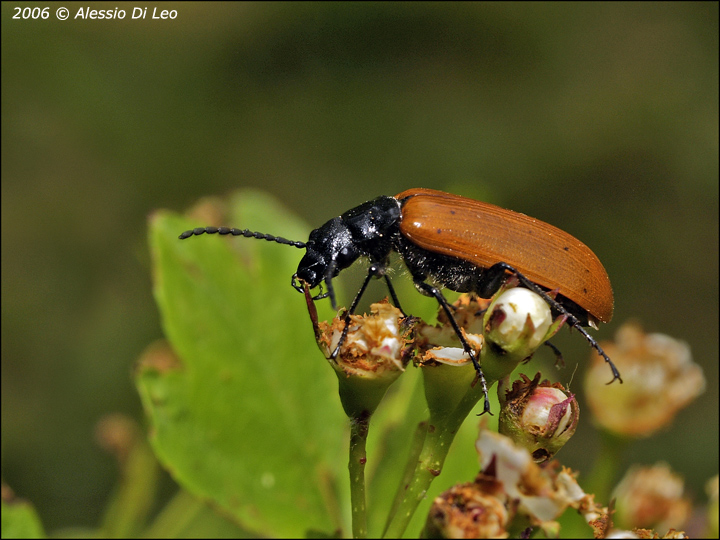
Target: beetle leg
(300, 288)
(374, 270)
(295, 284)
(559, 360)
(492, 279)
(429, 290)
(572, 320)
(394, 297)
(328, 281)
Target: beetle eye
(311, 268)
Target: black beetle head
(312, 268)
(330, 249)
(366, 230)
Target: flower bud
(518, 322)
(117, 434)
(659, 379)
(540, 417)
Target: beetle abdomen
(484, 234)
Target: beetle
(446, 240)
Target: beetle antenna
(241, 232)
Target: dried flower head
(447, 371)
(439, 343)
(540, 494)
(372, 356)
(470, 510)
(651, 498)
(659, 377)
(374, 342)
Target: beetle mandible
(459, 243)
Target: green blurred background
(601, 119)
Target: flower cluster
(510, 493)
(518, 486)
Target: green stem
(135, 495)
(359, 426)
(413, 459)
(447, 413)
(441, 432)
(176, 516)
(605, 469)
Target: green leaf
(249, 416)
(185, 516)
(19, 519)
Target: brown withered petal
(374, 342)
(541, 494)
(467, 511)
